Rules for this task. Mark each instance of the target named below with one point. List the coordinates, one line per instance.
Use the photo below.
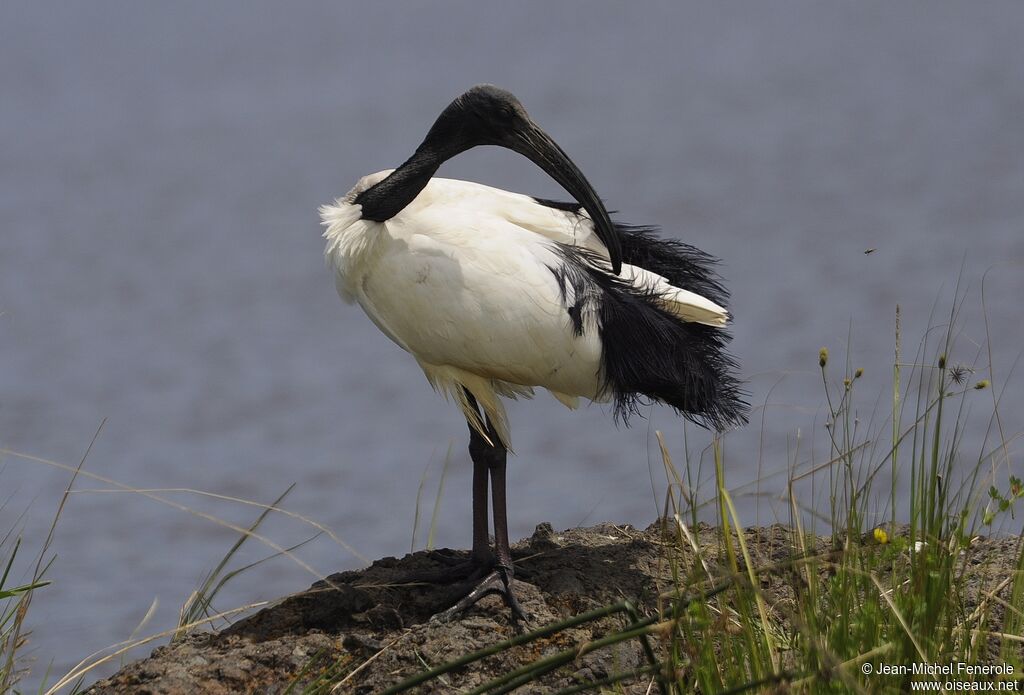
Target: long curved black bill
(536, 145)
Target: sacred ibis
(496, 293)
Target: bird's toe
(499, 581)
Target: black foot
(497, 582)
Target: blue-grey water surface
(161, 269)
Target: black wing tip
(682, 264)
(706, 392)
(649, 354)
(728, 410)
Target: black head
(484, 115)
(489, 115)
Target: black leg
(479, 451)
(489, 460)
(503, 565)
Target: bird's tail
(658, 340)
(649, 351)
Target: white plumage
(496, 294)
(462, 278)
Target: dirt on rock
(363, 631)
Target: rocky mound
(370, 629)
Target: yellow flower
(881, 536)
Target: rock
(543, 537)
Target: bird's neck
(386, 199)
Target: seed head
(942, 361)
(859, 373)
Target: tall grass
(16, 601)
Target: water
(160, 264)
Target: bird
(496, 294)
